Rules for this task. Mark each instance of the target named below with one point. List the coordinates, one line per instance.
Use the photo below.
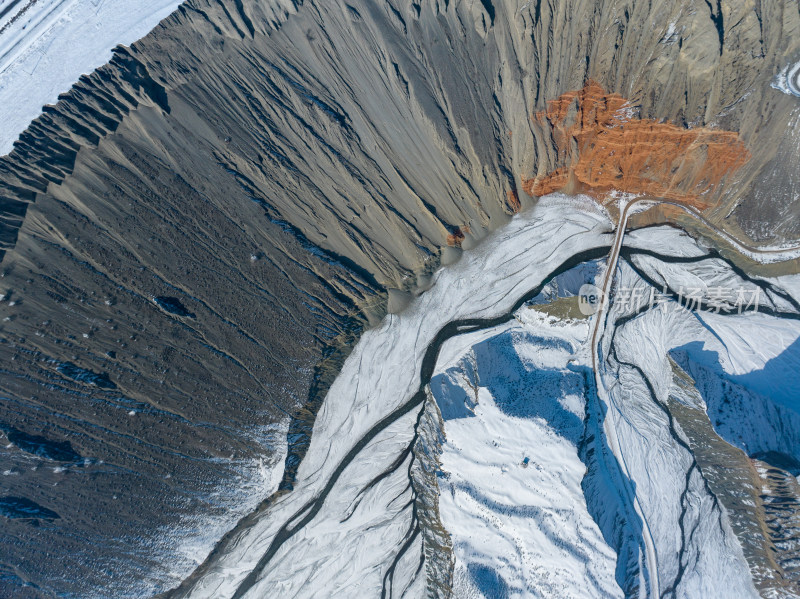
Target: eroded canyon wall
(274, 166)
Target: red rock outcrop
(457, 236)
(512, 201)
(601, 147)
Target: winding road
(651, 555)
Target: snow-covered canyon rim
(364, 518)
(46, 45)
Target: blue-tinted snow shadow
(568, 283)
(522, 390)
(758, 411)
(488, 581)
(608, 491)
(778, 380)
(519, 388)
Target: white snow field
(353, 537)
(46, 45)
(663, 473)
(748, 363)
(511, 495)
(533, 498)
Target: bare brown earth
(602, 148)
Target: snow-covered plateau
(469, 448)
(46, 45)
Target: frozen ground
(506, 395)
(184, 547)
(511, 495)
(788, 80)
(533, 499)
(46, 45)
(744, 367)
(349, 524)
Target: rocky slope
(197, 232)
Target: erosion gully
(305, 514)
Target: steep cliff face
(409, 119)
(274, 167)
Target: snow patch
(788, 80)
(46, 45)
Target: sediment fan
(201, 236)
